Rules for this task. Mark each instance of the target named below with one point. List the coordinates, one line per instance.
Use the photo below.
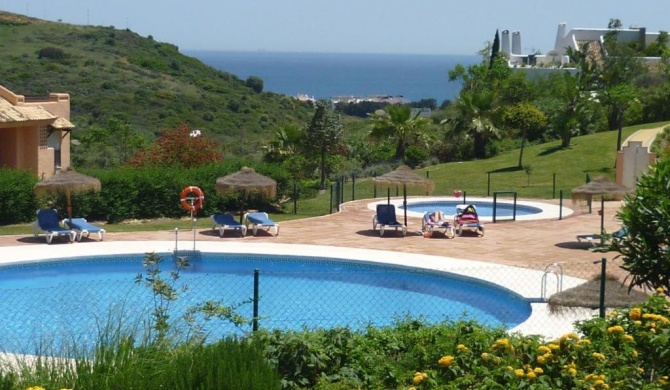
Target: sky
(347, 26)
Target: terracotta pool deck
(533, 244)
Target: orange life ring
(192, 203)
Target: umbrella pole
(602, 215)
(404, 201)
(388, 196)
(69, 205)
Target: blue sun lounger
(386, 218)
(48, 223)
(261, 220)
(223, 221)
(82, 227)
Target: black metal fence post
(331, 199)
(295, 198)
(553, 187)
(488, 184)
(603, 280)
(560, 205)
(353, 186)
(256, 295)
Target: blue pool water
(72, 299)
(484, 209)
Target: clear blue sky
(347, 26)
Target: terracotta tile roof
(62, 123)
(10, 113)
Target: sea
(328, 75)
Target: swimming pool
(525, 210)
(71, 298)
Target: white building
(574, 38)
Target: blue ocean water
(324, 75)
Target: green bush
(18, 198)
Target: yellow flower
(485, 356)
(570, 336)
(531, 375)
(519, 373)
(553, 346)
(660, 291)
(446, 361)
(461, 348)
(664, 377)
(615, 329)
(637, 323)
(412, 388)
(541, 359)
(584, 342)
(599, 356)
(538, 370)
(35, 388)
(544, 349)
(640, 370)
(572, 371)
(510, 368)
(419, 377)
(628, 337)
(635, 313)
(634, 353)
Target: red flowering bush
(181, 147)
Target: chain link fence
(300, 295)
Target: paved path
(523, 243)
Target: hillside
(111, 73)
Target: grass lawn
(553, 169)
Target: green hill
(117, 74)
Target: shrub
(18, 198)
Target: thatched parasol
(403, 175)
(68, 182)
(587, 295)
(600, 186)
(248, 182)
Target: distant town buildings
(388, 99)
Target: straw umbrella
(248, 182)
(68, 182)
(405, 176)
(587, 295)
(600, 186)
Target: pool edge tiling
(524, 282)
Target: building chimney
(560, 35)
(504, 42)
(516, 42)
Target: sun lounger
(467, 218)
(386, 218)
(48, 223)
(260, 220)
(592, 238)
(223, 221)
(82, 227)
(436, 222)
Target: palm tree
(284, 145)
(400, 125)
(474, 116)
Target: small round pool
(525, 210)
(71, 299)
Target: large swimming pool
(70, 299)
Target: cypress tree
(495, 49)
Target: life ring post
(192, 199)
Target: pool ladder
(556, 270)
